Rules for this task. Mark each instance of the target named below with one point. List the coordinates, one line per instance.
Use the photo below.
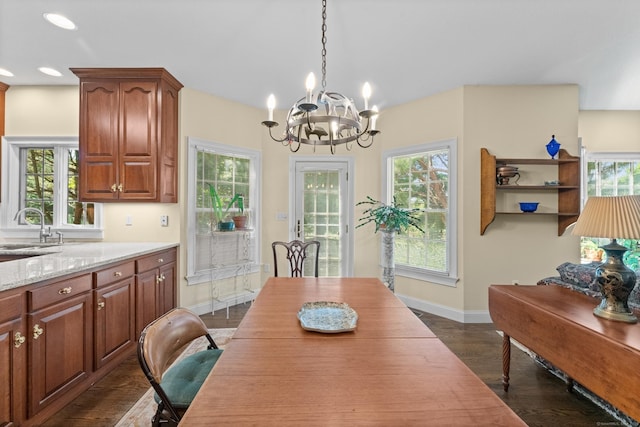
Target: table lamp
(616, 217)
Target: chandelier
(326, 118)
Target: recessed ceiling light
(5, 72)
(50, 71)
(60, 21)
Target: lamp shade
(616, 217)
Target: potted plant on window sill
(240, 221)
(224, 223)
(389, 218)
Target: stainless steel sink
(25, 246)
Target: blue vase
(226, 226)
(553, 147)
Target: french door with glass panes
(321, 211)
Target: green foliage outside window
(229, 176)
(39, 184)
(422, 181)
(611, 178)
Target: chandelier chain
(324, 44)
(325, 118)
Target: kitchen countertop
(59, 260)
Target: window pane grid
(611, 178)
(229, 175)
(38, 182)
(420, 181)
(44, 172)
(321, 198)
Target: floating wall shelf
(567, 173)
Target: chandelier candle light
(615, 218)
(325, 118)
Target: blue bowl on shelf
(528, 206)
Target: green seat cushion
(183, 380)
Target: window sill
(67, 233)
(426, 276)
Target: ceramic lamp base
(616, 281)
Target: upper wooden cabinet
(3, 89)
(128, 135)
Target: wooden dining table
(390, 371)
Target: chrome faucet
(43, 233)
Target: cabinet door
(168, 155)
(98, 161)
(60, 349)
(115, 320)
(13, 358)
(167, 288)
(138, 140)
(146, 299)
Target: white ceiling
(243, 50)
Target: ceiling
(243, 50)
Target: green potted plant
(221, 211)
(389, 218)
(240, 220)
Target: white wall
(213, 119)
(513, 121)
(617, 131)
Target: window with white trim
(610, 174)
(42, 173)
(424, 177)
(213, 253)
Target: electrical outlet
(265, 268)
(129, 220)
(164, 220)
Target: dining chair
(297, 253)
(175, 385)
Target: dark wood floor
(537, 396)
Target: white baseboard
(469, 316)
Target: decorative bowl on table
(327, 317)
(528, 206)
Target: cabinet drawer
(156, 260)
(113, 274)
(58, 291)
(10, 307)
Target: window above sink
(43, 175)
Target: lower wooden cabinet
(114, 313)
(13, 356)
(60, 336)
(60, 347)
(155, 287)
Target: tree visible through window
(214, 254)
(42, 173)
(611, 177)
(421, 178)
(42, 167)
(229, 176)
